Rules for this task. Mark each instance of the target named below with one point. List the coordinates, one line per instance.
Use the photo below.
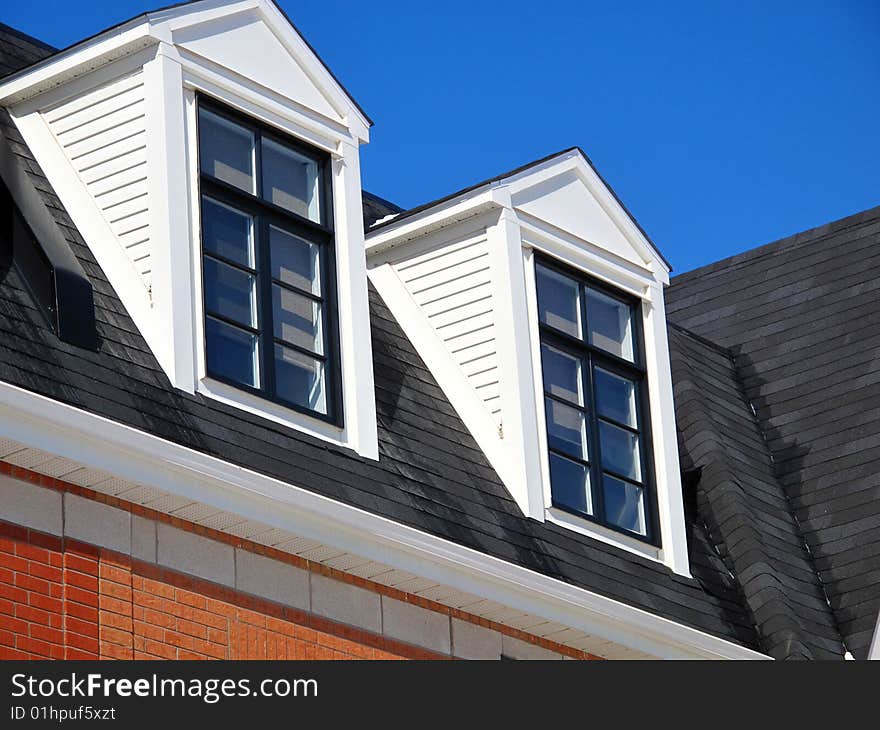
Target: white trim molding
(99, 443)
(247, 55)
(560, 208)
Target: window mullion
(593, 438)
(266, 323)
(258, 163)
(594, 455)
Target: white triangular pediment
(566, 203)
(247, 46)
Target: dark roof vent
(56, 281)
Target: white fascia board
(455, 210)
(100, 443)
(77, 60)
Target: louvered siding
(103, 133)
(453, 286)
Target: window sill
(597, 531)
(313, 426)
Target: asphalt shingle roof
(801, 319)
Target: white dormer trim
(217, 48)
(551, 207)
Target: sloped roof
(431, 474)
(745, 511)
(801, 320)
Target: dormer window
(267, 263)
(595, 401)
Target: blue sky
(721, 126)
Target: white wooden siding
(453, 286)
(103, 134)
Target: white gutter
(100, 443)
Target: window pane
(624, 504)
(300, 379)
(610, 326)
(291, 180)
(226, 150)
(562, 374)
(295, 261)
(566, 429)
(620, 451)
(570, 484)
(615, 397)
(232, 353)
(230, 292)
(227, 232)
(559, 301)
(297, 319)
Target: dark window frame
(636, 371)
(265, 214)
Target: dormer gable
(463, 276)
(115, 123)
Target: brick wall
(62, 599)
(84, 575)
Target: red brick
(141, 598)
(116, 605)
(52, 605)
(159, 619)
(161, 650)
(219, 607)
(29, 583)
(80, 564)
(50, 635)
(177, 639)
(78, 595)
(46, 572)
(191, 599)
(81, 580)
(75, 653)
(34, 646)
(50, 542)
(32, 552)
(209, 619)
(16, 625)
(183, 654)
(34, 615)
(142, 629)
(85, 628)
(13, 533)
(84, 643)
(117, 621)
(115, 651)
(192, 629)
(115, 636)
(115, 574)
(15, 564)
(9, 653)
(86, 613)
(217, 636)
(7, 638)
(157, 588)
